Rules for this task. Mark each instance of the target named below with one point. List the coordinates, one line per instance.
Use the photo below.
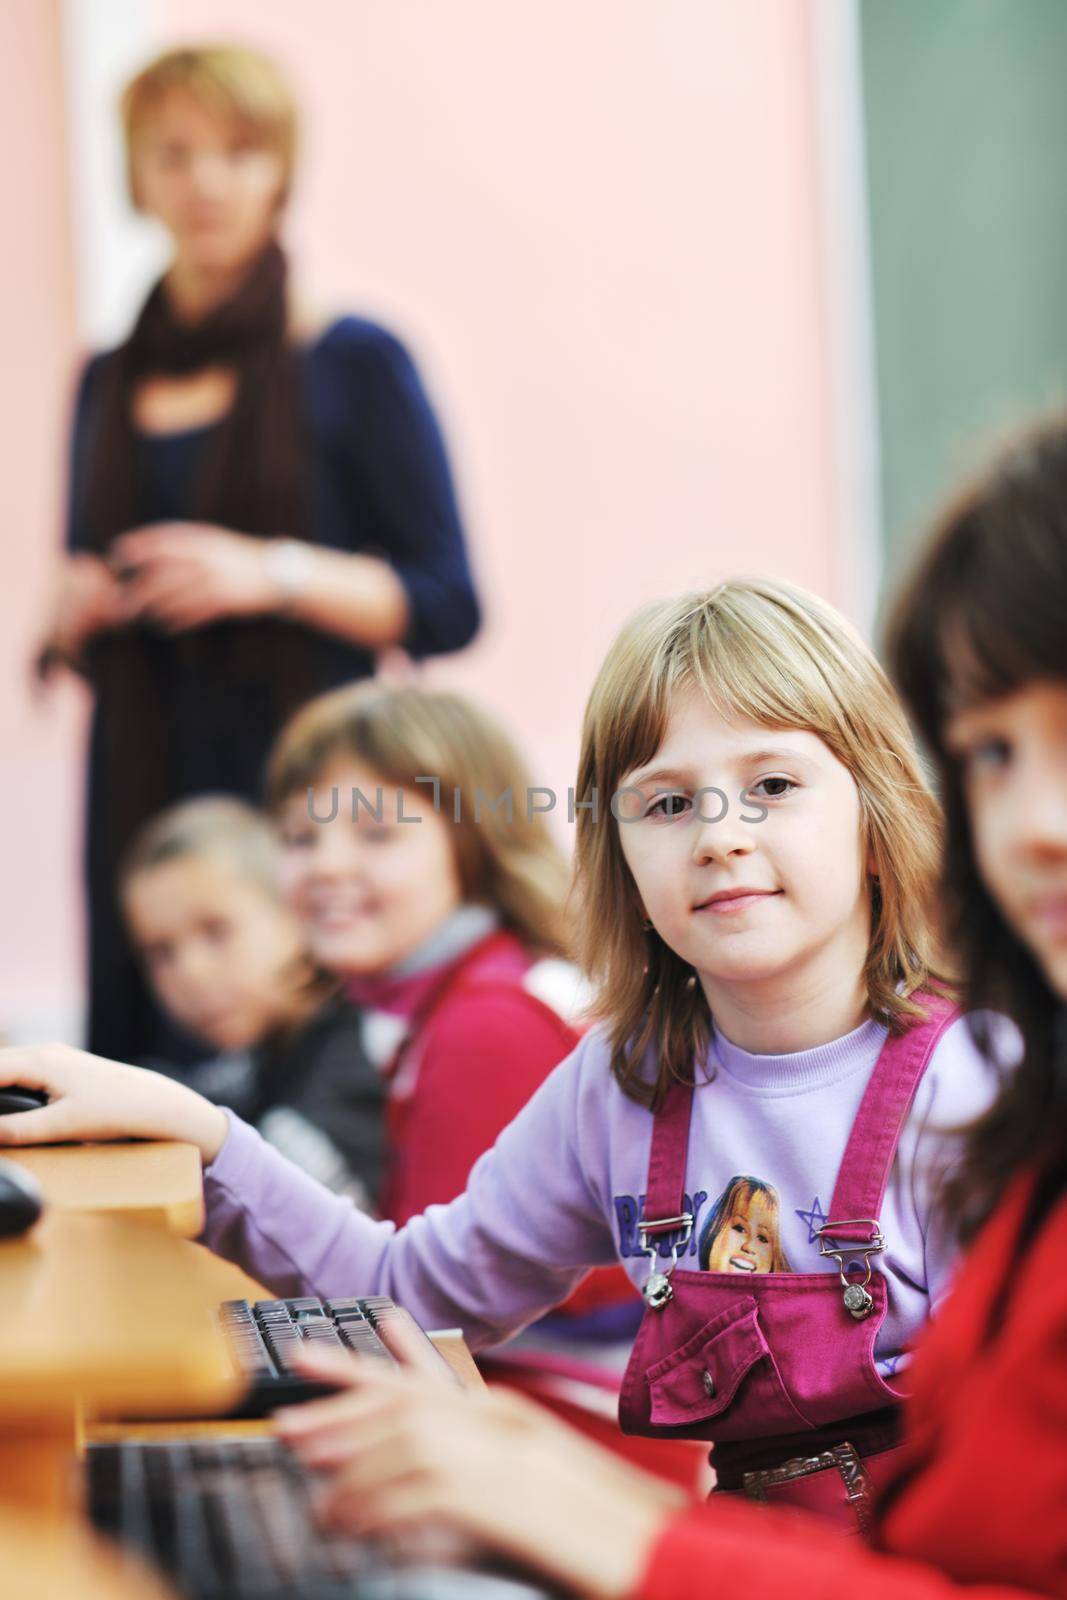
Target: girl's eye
(764, 1238)
(373, 834)
(738, 1227)
(987, 755)
(217, 929)
(296, 838)
(667, 805)
(773, 788)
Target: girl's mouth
(723, 904)
(338, 910)
(739, 1264)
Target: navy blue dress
(378, 483)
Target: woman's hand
(186, 574)
(403, 1451)
(88, 601)
(90, 1098)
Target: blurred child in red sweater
(445, 918)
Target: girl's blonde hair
(218, 825)
(506, 858)
(780, 657)
(242, 84)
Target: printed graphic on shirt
(813, 1219)
(739, 1232)
(743, 1229)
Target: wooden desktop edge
(160, 1182)
(156, 1181)
(96, 1193)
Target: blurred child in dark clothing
(226, 957)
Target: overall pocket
(726, 1376)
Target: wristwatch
(289, 563)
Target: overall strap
(872, 1144)
(665, 1191)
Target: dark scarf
(251, 479)
(251, 471)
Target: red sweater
(468, 1069)
(479, 1047)
(980, 1509)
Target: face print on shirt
(742, 1233)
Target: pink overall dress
(778, 1368)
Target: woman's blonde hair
(506, 858)
(232, 80)
(778, 656)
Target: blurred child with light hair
(200, 888)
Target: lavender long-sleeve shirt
(562, 1190)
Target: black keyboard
(264, 1338)
(226, 1517)
(231, 1519)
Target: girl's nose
(1037, 813)
(208, 170)
(718, 838)
(195, 963)
(333, 851)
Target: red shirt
(981, 1502)
(480, 1046)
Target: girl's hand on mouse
(90, 1098)
(403, 1452)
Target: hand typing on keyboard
(401, 1451)
(266, 1339)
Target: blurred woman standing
(260, 500)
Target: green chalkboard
(965, 104)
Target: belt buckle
(844, 1457)
(657, 1290)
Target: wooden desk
(41, 1561)
(102, 1316)
(157, 1182)
(108, 1312)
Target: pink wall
(39, 794)
(597, 225)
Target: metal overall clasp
(858, 1302)
(657, 1290)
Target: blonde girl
(757, 861)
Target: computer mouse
(21, 1200)
(13, 1097)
